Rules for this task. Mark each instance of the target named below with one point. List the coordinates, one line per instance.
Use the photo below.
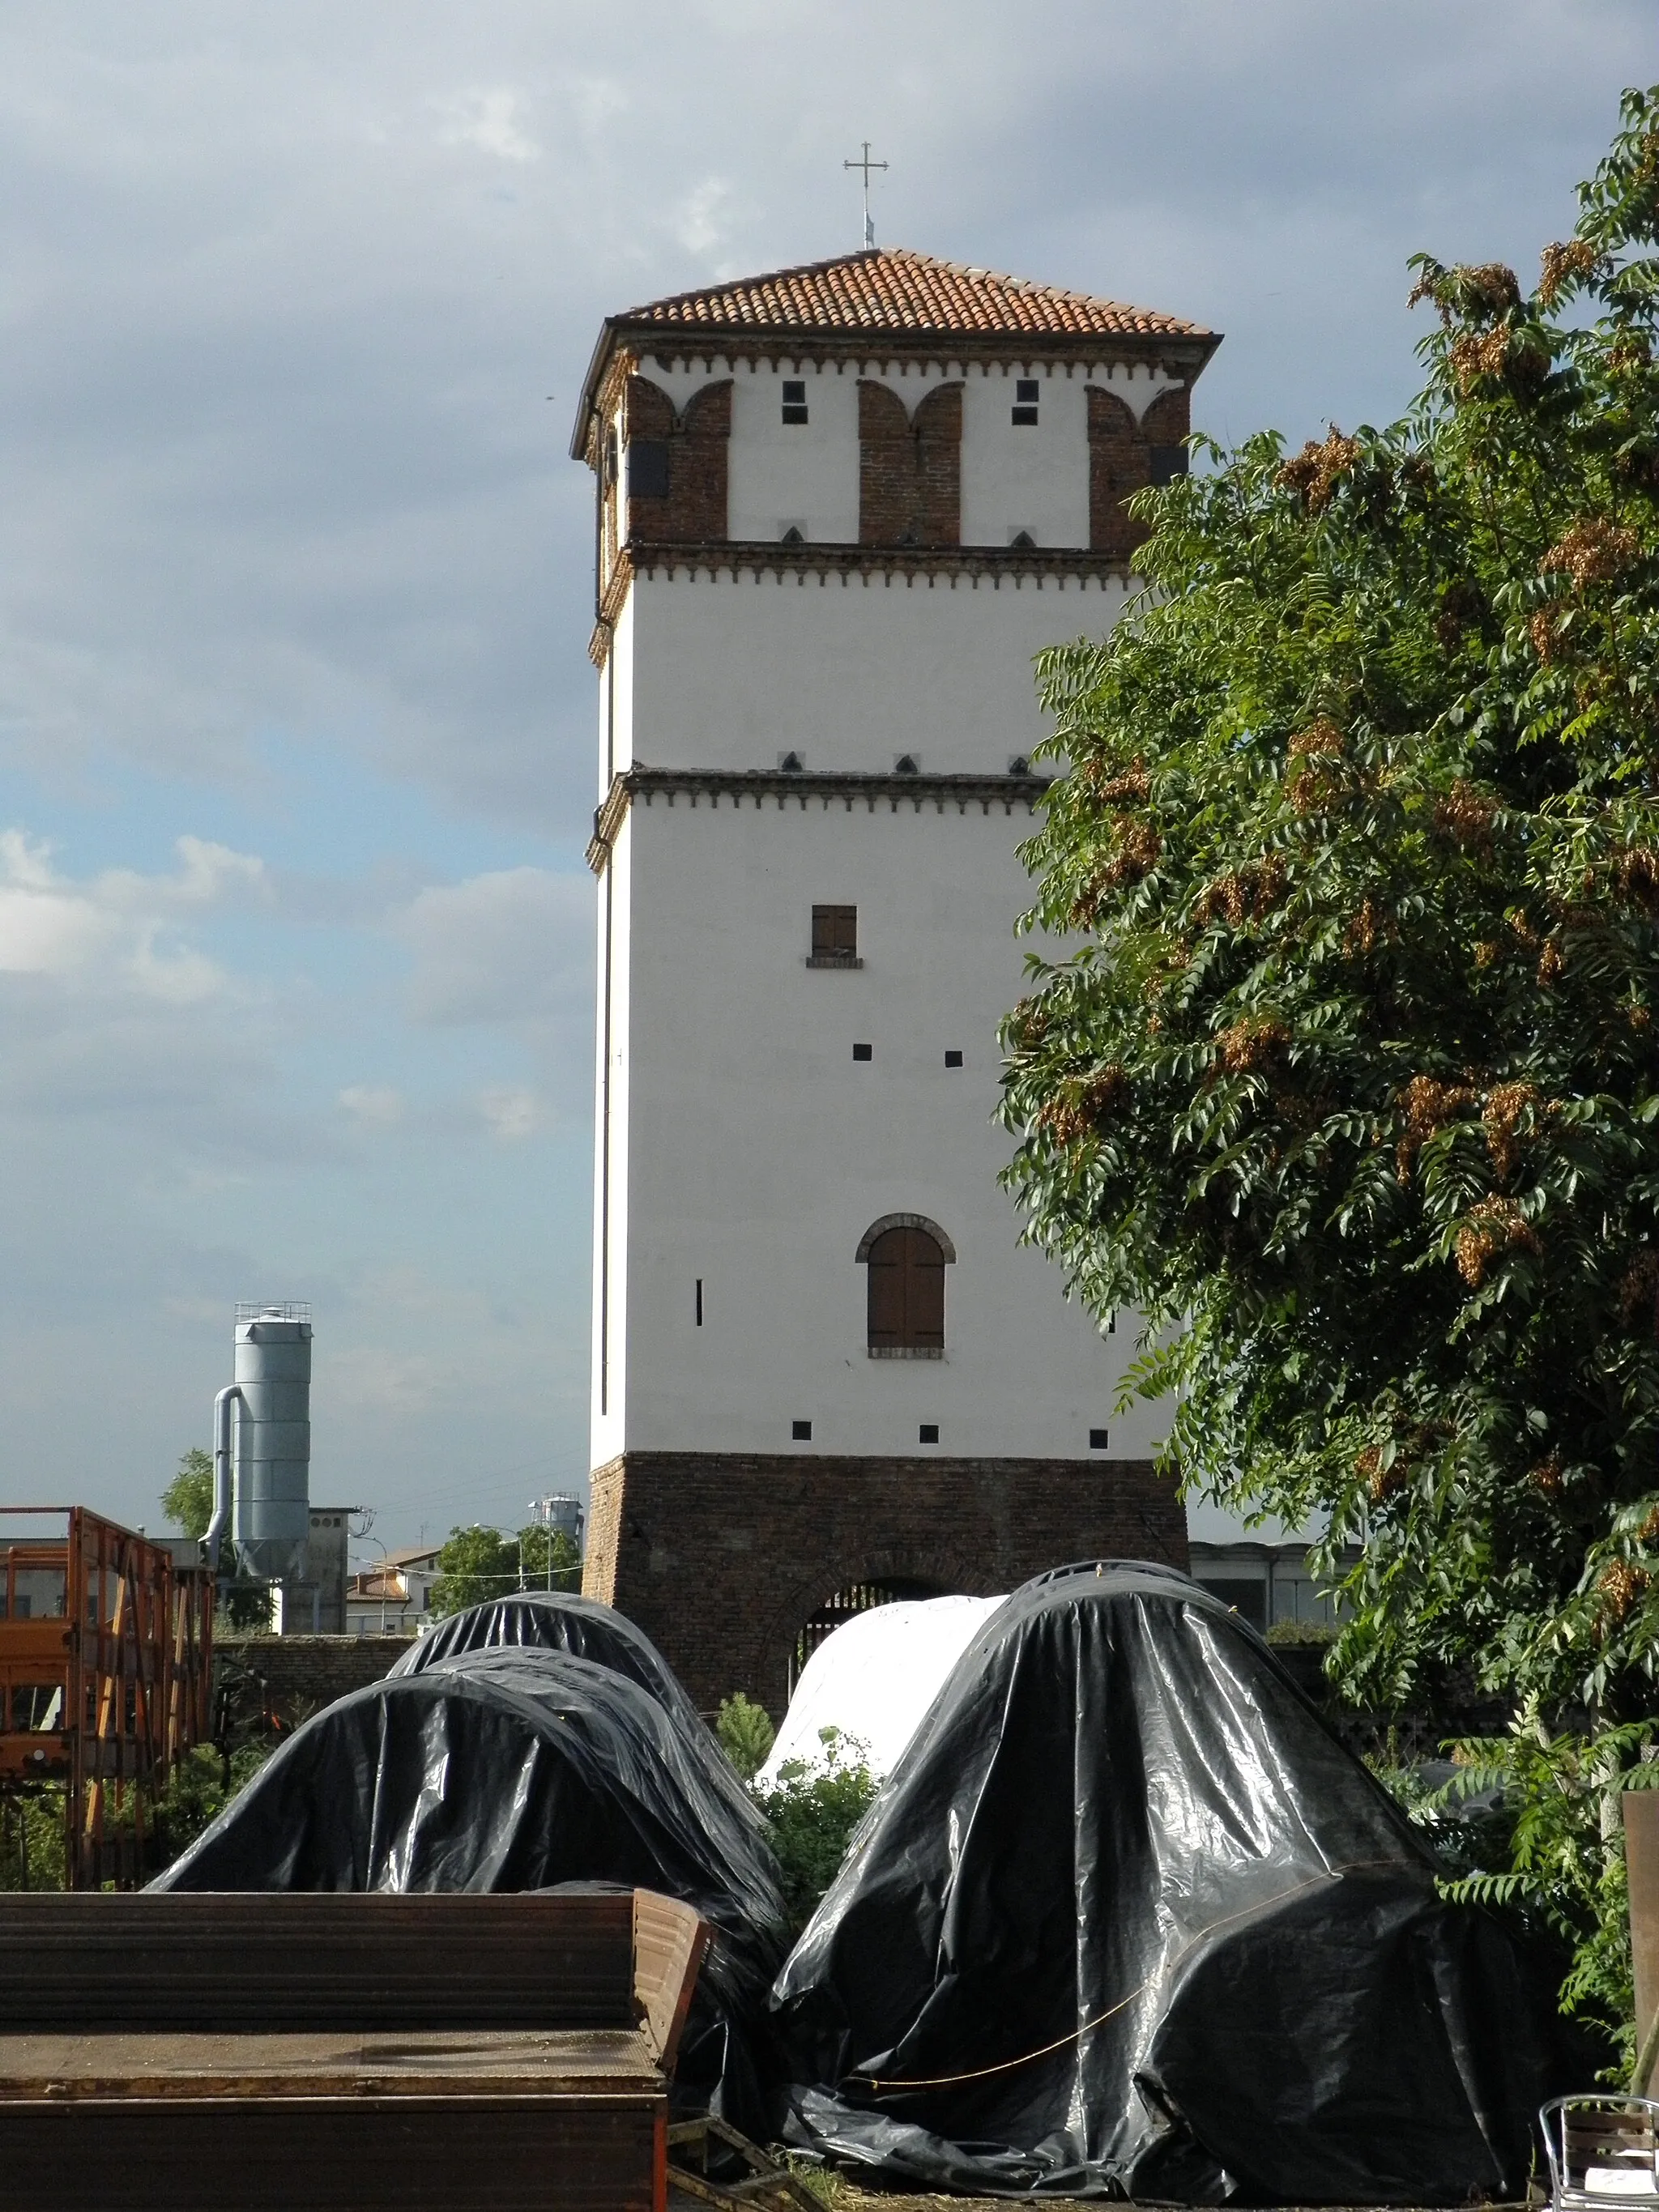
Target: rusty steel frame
(129, 1659)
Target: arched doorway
(857, 1597)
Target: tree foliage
(745, 1733)
(479, 1563)
(187, 1501)
(1351, 1087)
(812, 1813)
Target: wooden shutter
(906, 1291)
(924, 1292)
(834, 932)
(886, 1294)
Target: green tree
(187, 1501)
(479, 1563)
(746, 1733)
(1352, 1084)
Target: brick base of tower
(722, 1556)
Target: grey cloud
(515, 945)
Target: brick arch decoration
(1120, 462)
(693, 510)
(951, 1570)
(909, 467)
(904, 1221)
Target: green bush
(746, 1733)
(33, 1839)
(813, 1813)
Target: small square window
(953, 1059)
(929, 1433)
(1026, 401)
(801, 1433)
(1168, 462)
(1098, 1440)
(863, 1052)
(794, 399)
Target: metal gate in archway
(857, 1597)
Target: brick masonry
(695, 509)
(909, 467)
(1121, 463)
(299, 1674)
(722, 1558)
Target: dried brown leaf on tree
(1078, 1108)
(1546, 1476)
(1560, 263)
(1592, 550)
(1505, 1102)
(1467, 816)
(1252, 1043)
(1316, 471)
(1619, 1585)
(1429, 1105)
(1245, 894)
(1495, 1227)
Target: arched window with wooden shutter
(906, 1257)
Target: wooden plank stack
(182, 2052)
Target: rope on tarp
(880, 2086)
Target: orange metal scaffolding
(106, 1661)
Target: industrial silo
(273, 1445)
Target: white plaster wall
(804, 475)
(760, 1151)
(1034, 478)
(611, 1176)
(731, 672)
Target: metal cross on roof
(866, 165)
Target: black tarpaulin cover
(1178, 1942)
(513, 1769)
(557, 1620)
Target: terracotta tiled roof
(891, 288)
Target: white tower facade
(840, 510)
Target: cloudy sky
(295, 758)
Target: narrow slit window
(835, 937)
(801, 1433)
(794, 399)
(929, 1433)
(699, 1302)
(1025, 403)
(1097, 1439)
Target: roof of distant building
(886, 291)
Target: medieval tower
(839, 509)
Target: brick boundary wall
(309, 1671)
(722, 1558)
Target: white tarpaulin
(875, 1677)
